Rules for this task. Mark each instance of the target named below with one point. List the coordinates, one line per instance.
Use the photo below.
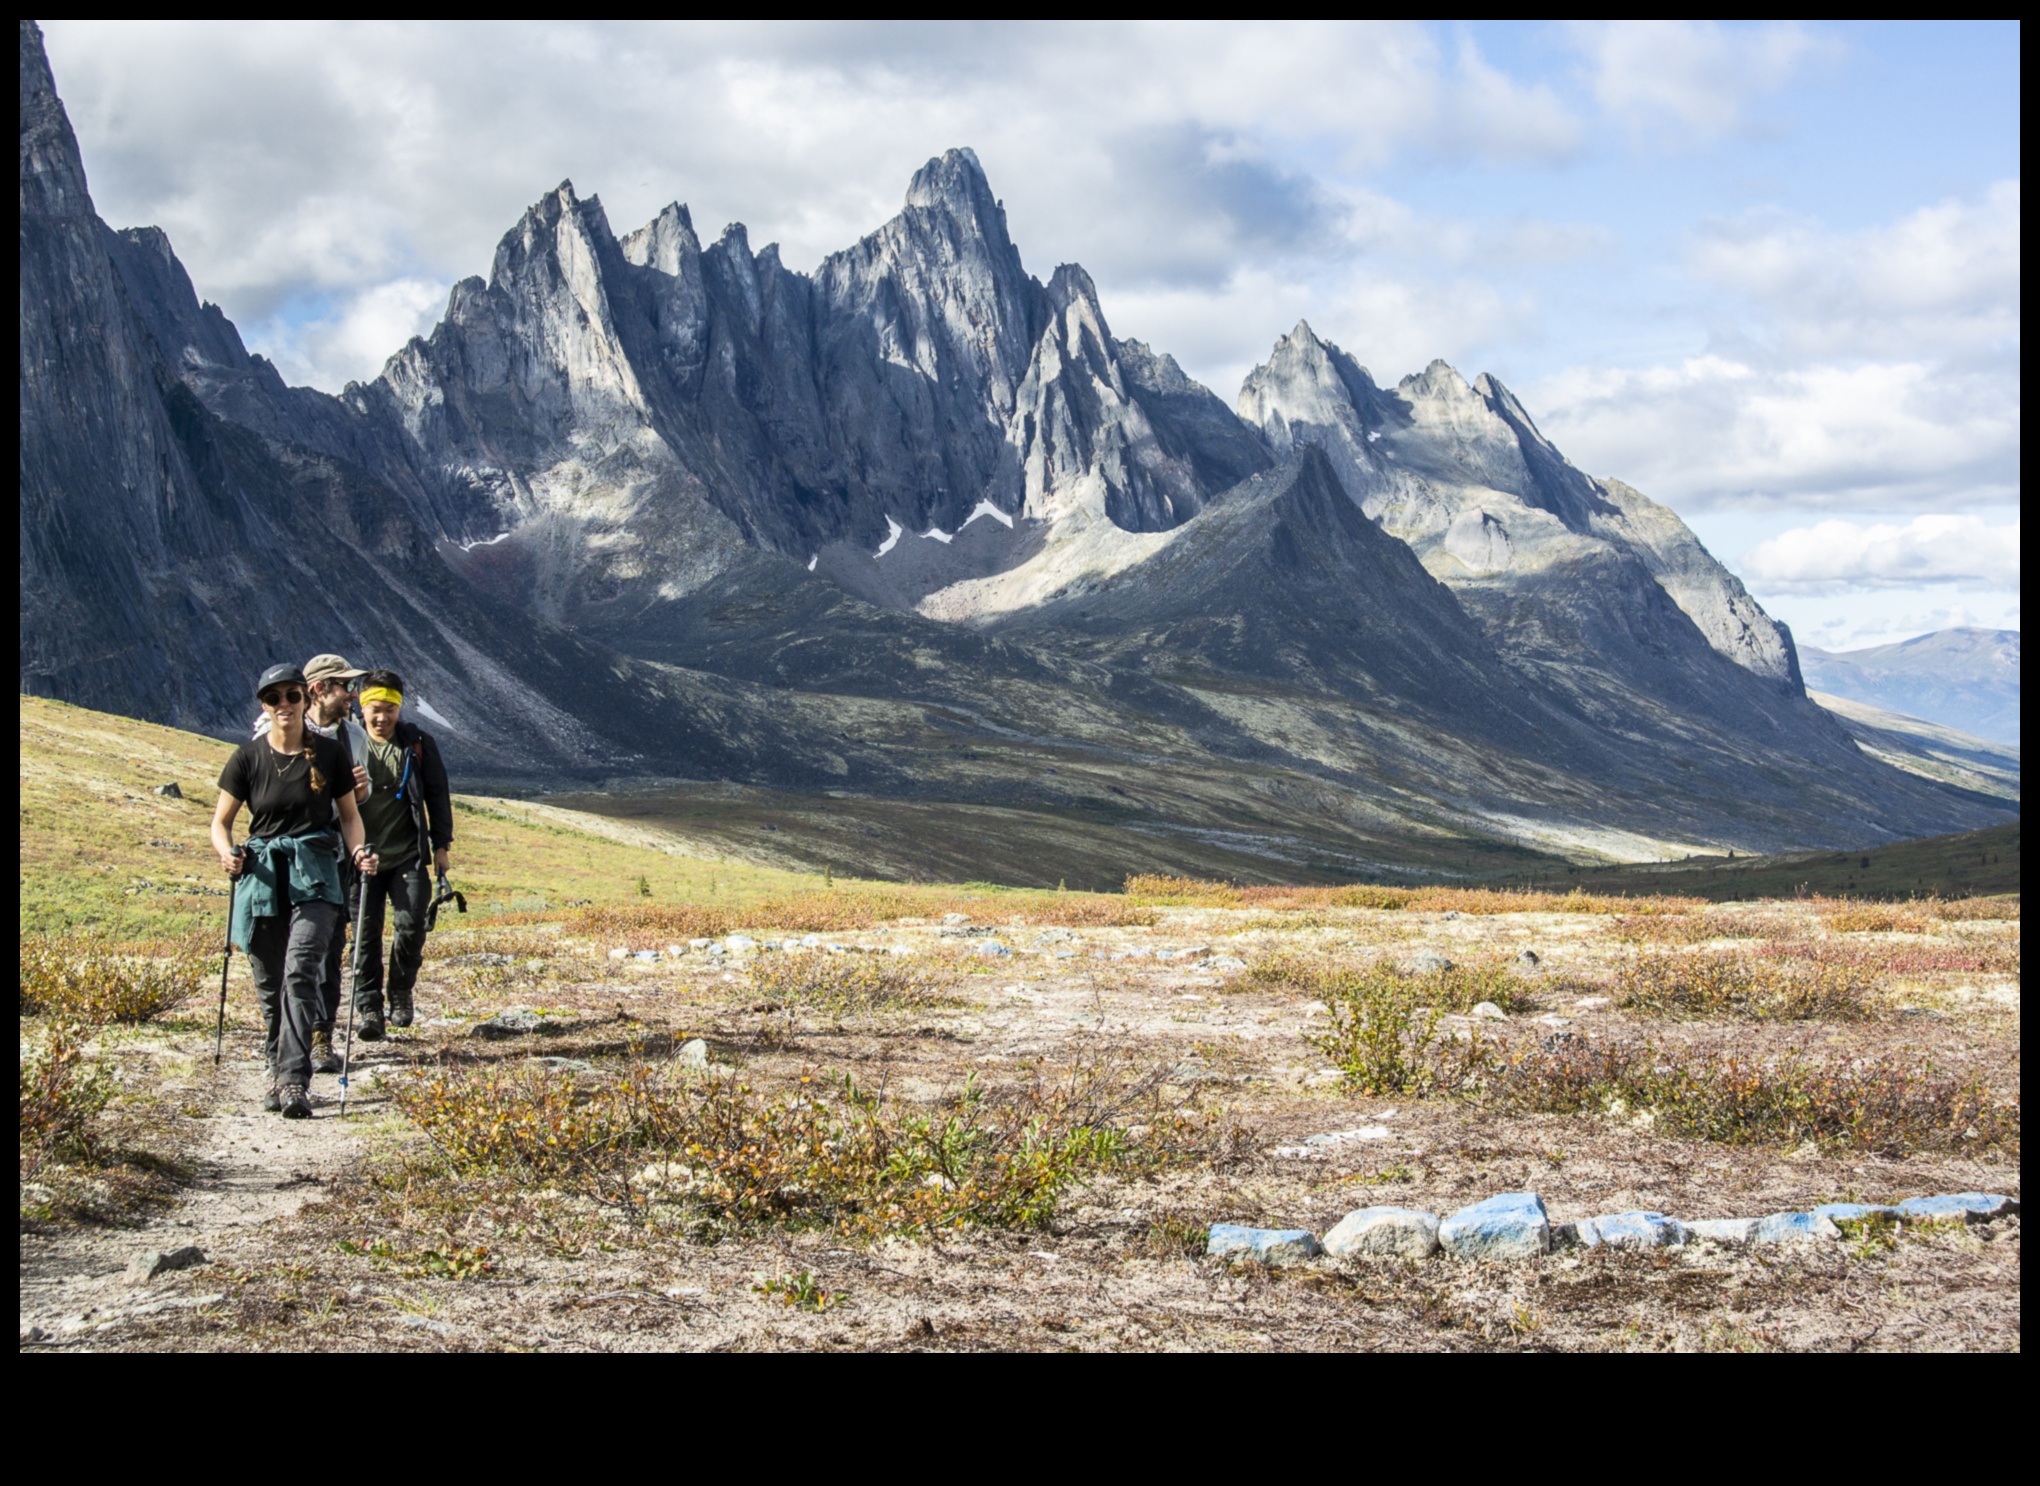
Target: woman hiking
(299, 787)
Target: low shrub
(1182, 892)
(1384, 1032)
(1717, 1092)
(832, 1154)
(1758, 988)
(847, 983)
(1845, 916)
(99, 981)
(62, 1093)
(1683, 928)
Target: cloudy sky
(1767, 274)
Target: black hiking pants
(402, 894)
(287, 959)
(336, 951)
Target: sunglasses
(286, 697)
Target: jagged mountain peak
(951, 181)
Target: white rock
(1593, 1003)
(692, 1054)
(1396, 1232)
(619, 954)
(1723, 1230)
(1487, 1011)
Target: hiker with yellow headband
(408, 816)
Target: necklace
(283, 761)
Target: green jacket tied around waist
(283, 870)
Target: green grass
(1971, 864)
(100, 850)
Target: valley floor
(419, 1225)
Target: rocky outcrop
(1461, 472)
(914, 524)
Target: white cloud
(1943, 280)
(1712, 431)
(293, 160)
(362, 330)
(1686, 81)
(1836, 556)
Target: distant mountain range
(915, 525)
(1966, 679)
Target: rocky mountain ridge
(912, 525)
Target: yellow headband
(383, 694)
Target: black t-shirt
(277, 787)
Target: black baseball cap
(285, 674)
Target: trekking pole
(353, 993)
(226, 959)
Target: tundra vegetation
(746, 1108)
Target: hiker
(329, 684)
(409, 822)
(297, 785)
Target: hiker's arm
(223, 832)
(438, 807)
(351, 836)
(360, 784)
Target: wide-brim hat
(285, 674)
(331, 668)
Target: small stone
(1791, 1228)
(146, 1266)
(1971, 1207)
(715, 949)
(1397, 1232)
(1487, 1011)
(736, 944)
(993, 948)
(674, 951)
(810, 941)
(1273, 1246)
(1631, 1230)
(1428, 962)
(1227, 963)
(170, 791)
(955, 920)
(1529, 959)
(699, 943)
(1053, 936)
(693, 1054)
(1555, 1042)
(516, 1022)
(647, 955)
(1509, 1225)
(427, 1323)
(564, 1065)
(1853, 1212)
(1593, 1003)
(1723, 1230)
(619, 953)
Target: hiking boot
(324, 1060)
(400, 1009)
(271, 1100)
(371, 1028)
(295, 1105)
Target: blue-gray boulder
(1853, 1212)
(1791, 1228)
(1631, 1230)
(1971, 1207)
(1269, 1245)
(1510, 1225)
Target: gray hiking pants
(403, 892)
(287, 958)
(336, 949)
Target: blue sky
(1768, 274)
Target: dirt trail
(253, 1169)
